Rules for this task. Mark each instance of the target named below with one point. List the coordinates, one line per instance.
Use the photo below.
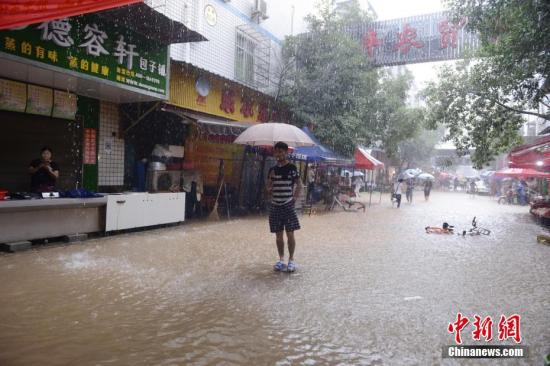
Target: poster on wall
(64, 105)
(39, 100)
(90, 143)
(13, 95)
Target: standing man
(284, 185)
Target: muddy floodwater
(370, 289)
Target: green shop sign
(88, 45)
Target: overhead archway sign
(424, 38)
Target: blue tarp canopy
(317, 153)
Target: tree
(333, 85)
(389, 117)
(482, 100)
(329, 82)
(515, 47)
(462, 102)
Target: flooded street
(370, 289)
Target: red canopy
(521, 173)
(364, 160)
(445, 175)
(534, 155)
(16, 13)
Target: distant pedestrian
(455, 183)
(310, 183)
(410, 188)
(473, 188)
(522, 193)
(427, 189)
(398, 191)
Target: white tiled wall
(111, 148)
(216, 55)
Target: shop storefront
(62, 83)
(217, 110)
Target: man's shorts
(283, 218)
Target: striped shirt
(283, 179)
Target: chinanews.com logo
(508, 329)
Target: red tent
(521, 173)
(445, 176)
(534, 155)
(16, 13)
(364, 160)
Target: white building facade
(239, 48)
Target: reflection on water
(371, 289)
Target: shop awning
(189, 116)
(16, 13)
(521, 173)
(214, 129)
(534, 155)
(152, 24)
(364, 160)
(315, 153)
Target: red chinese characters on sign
(201, 100)
(228, 101)
(509, 328)
(263, 112)
(483, 328)
(247, 107)
(449, 32)
(370, 41)
(407, 40)
(90, 143)
(457, 327)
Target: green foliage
(332, 85)
(514, 45)
(477, 124)
(482, 101)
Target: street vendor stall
(320, 162)
(364, 160)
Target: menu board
(13, 95)
(90, 143)
(64, 105)
(39, 100)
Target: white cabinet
(126, 211)
(164, 208)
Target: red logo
(508, 327)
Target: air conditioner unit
(164, 180)
(260, 10)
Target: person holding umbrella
(284, 186)
(283, 183)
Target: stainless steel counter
(46, 218)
